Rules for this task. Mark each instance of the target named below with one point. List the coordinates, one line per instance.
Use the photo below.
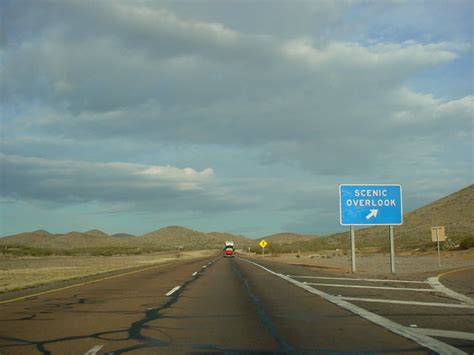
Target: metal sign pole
(439, 253)
(263, 252)
(392, 249)
(353, 252)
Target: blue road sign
(370, 205)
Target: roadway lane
(113, 311)
(229, 306)
(415, 305)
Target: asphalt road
(231, 305)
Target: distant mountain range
(168, 238)
(455, 212)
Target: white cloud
(68, 181)
(336, 110)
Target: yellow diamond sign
(263, 243)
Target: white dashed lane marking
(173, 290)
(94, 350)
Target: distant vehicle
(229, 249)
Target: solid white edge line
(414, 303)
(94, 350)
(374, 287)
(396, 328)
(434, 282)
(173, 290)
(352, 279)
(445, 333)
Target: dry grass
(282, 238)
(24, 272)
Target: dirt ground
(378, 264)
(24, 272)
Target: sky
(234, 116)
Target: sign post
(439, 252)
(263, 244)
(353, 252)
(392, 249)
(371, 204)
(438, 235)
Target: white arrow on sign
(373, 213)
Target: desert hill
(34, 239)
(122, 235)
(96, 233)
(283, 238)
(43, 239)
(168, 238)
(175, 236)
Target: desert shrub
(467, 243)
(21, 250)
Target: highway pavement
(240, 305)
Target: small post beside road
(353, 252)
(439, 252)
(438, 235)
(392, 249)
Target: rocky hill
(168, 238)
(283, 238)
(179, 237)
(96, 233)
(44, 239)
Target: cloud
(118, 81)
(135, 185)
(287, 98)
